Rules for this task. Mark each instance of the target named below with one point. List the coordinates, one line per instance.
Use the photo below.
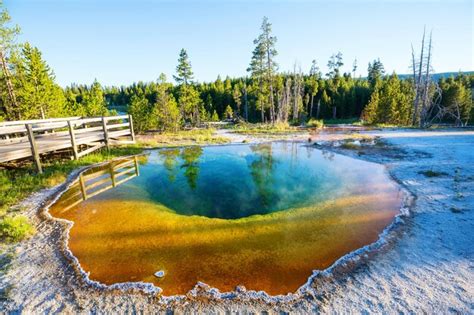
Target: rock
(160, 274)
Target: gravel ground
(423, 264)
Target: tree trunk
(272, 105)
(246, 105)
(418, 83)
(426, 92)
(11, 92)
(311, 106)
(42, 112)
(334, 109)
(318, 109)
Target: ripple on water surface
(263, 216)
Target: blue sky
(120, 42)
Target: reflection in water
(97, 180)
(190, 163)
(328, 155)
(261, 216)
(190, 156)
(170, 162)
(261, 169)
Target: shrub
(15, 228)
(280, 126)
(315, 123)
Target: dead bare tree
(426, 106)
(284, 97)
(297, 91)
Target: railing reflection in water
(96, 181)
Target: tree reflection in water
(170, 162)
(262, 169)
(190, 158)
(190, 163)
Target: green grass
(182, 137)
(345, 121)
(14, 228)
(277, 128)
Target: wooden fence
(79, 136)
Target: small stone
(160, 274)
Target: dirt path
(428, 267)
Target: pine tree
(257, 70)
(313, 85)
(369, 114)
(237, 96)
(189, 103)
(39, 96)
(334, 65)
(184, 74)
(166, 111)
(214, 116)
(375, 72)
(8, 103)
(263, 68)
(456, 100)
(189, 100)
(229, 113)
(140, 110)
(94, 101)
(268, 42)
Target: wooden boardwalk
(79, 136)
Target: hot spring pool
(263, 216)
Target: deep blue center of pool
(235, 181)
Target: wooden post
(34, 148)
(73, 139)
(130, 122)
(83, 187)
(112, 174)
(137, 172)
(106, 133)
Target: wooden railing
(96, 181)
(80, 136)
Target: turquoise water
(235, 181)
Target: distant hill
(438, 76)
